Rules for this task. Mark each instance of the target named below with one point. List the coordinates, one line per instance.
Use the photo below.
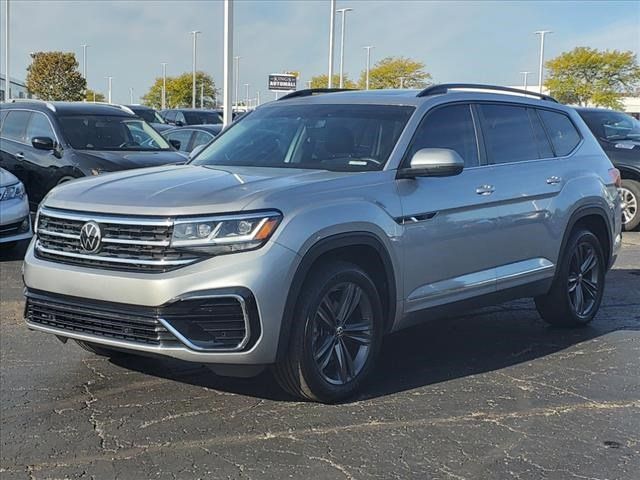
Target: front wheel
(630, 194)
(578, 287)
(336, 335)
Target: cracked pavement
(494, 394)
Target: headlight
(12, 191)
(225, 234)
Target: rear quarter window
(15, 125)
(562, 132)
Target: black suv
(47, 143)
(151, 116)
(619, 136)
(191, 116)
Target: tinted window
(448, 127)
(508, 134)
(544, 147)
(611, 125)
(3, 113)
(201, 138)
(202, 118)
(170, 116)
(179, 117)
(182, 136)
(39, 126)
(15, 125)
(562, 133)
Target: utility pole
(7, 38)
(227, 116)
(542, 33)
(525, 76)
(193, 80)
(343, 11)
(164, 85)
(332, 28)
(368, 49)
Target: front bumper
(15, 222)
(262, 277)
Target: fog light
(24, 226)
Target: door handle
(553, 180)
(485, 189)
(19, 156)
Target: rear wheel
(336, 335)
(630, 193)
(577, 289)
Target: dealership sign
(282, 82)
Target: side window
(182, 136)
(3, 113)
(39, 126)
(448, 127)
(201, 138)
(180, 118)
(170, 116)
(544, 147)
(508, 134)
(562, 132)
(15, 125)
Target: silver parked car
(15, 222)
(321, 222)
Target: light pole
(84, 60)
(309, 84)
(368, 49)
(227, 116)
(202, 95)
(7, 73)
(193, 80)
(332, 28)
(164, 85)
(258, 98)
(131, 95)
(109, 89)
(237, 79)
(246, 102)
(343, 11)
(542, 33)
(525, 77)
(401, 82)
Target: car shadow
(480, 341)
(13, 253)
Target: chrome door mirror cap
(433, 162)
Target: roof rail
(314, 91)
(116, 105)
(445, 87)
(49, 105)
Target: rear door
(13, 144)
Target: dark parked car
(47, 143)
(191, 137)
(191, 116)
(149, 115)
(619, 136)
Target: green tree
(179, 91)
(55, 76)
(322, 81)
(93, 96)
(587, 76)
(392, 72)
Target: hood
(7, 178)
(112, 161)
(179, 190)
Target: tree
(179, 91)
(55, 76)
(587, 76)
(93, 96)
(321, 81)
(393, 72)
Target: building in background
(18, 88)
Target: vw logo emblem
(90, 237)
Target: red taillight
(614, 173)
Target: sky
(469, 41)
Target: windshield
(202, 118)
(612, 125)
(325, 137)
(105, 132)
(148, 115)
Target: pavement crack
(335, 465)
(95, 423)
(175, 416)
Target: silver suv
(319, 223)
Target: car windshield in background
(149, 116)
(104, 132)
(324, 137)
(612, 125)
(202, 118)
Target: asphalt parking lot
(496, 394)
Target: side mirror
(43, 143)
(175, 144)
(178, 123)
(197, 150)
(433, 162)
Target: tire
(324, 337)
(100, 350)
(65, 179)
(630, 193)
(580, 275)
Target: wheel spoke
(589, 262)
(360, 333)
(579, 299)
(350, 299)
(590, 288)
(342, 362)
(327, 314)
(573, 282)
(348, 360)
(323, 354)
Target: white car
(15, 222)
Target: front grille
(10, 229)
(96, 320)
(128, 243)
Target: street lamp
(343, 11)
(227, 53)
(193, 80)
(130, 95)
(401, 82)
(202, 95)
(237, 79)
(542, 33)
(84, 60)
(246, 102)
(109, 88)
(164, 85)
(332, 28)
(368, 49)
(7, 73)
(525, 75)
